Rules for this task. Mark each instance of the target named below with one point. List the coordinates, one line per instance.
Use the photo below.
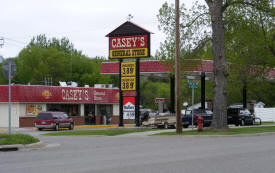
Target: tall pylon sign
(129, 42)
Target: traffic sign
(193, 84)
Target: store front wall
(78, 102)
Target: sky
(84, 22)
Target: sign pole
(120, 97)
(9, 98)
(138, 94)
(193, 107)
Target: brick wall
(79, 120)
(114, 120)
(26, 121)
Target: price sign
(128, 115)
(128, 83)
(128, 69)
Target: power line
(14, 44)
(17, 41)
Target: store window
(33, 109)
(106, 113)
(105, 110)
(89, 112)
(70, 109)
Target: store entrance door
(89, 113)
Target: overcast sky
(84, 22)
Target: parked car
(239, 116)
(53, 120)
(205, 113)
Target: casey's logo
(46, 94)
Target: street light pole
(177, 68)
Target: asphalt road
(140, 154)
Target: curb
(102, 126)
(16, 147)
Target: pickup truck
(161, 121)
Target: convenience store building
(84, 105)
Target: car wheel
(237, 124)
(56, 127)
(71, 127)
(185, 126)
(166, 125)
(40, 129)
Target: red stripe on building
(55, 94)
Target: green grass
(6, 139)
(233, 131)
(268, 123)
(110, 132)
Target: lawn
(232, 131)
(6, 139)
(268, 123)
(109, 132)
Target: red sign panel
(161, 100)
(129, 108)
(129, 93)
(129, 42)
(129, 46)
(47, 94)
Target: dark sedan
(206, 114)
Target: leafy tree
(58, 59)
(195, 35)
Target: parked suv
(205, 113)
(239, 116)
(53, 120)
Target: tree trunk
(220, 66)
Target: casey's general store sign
(129, 46)
(46, 94)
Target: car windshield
(188, 112)
(245, 111)
(44, 116)
(208, 111)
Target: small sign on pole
(193, 84)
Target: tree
(59, 60)
(220, 67)
(35, 64)
(194, 43)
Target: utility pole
(177, 69)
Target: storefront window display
(70, 109)
(106, 112)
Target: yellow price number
(128, 83)
(128, 69)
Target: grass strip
(6, 139)
(232, 131)
(268, 123)
(109, 132)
